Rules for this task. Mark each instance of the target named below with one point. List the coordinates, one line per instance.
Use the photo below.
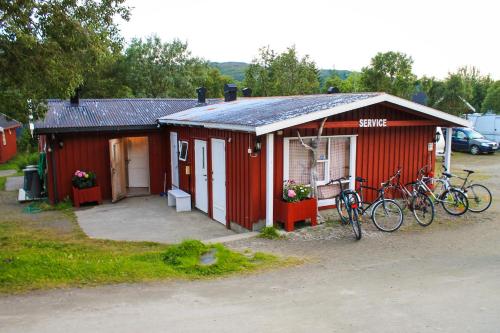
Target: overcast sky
(440, 35)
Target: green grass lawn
(49, 250)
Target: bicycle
(408, 197)
(479, 196)
(385, 214)
(453, 200)
(350, 200)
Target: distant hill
(236, 70)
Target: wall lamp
(437, 137)
(258, 146)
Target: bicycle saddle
(468, 171)
(447, 174)
(361, 180)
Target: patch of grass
(65, 206)
(3, 180)
(185, 258)
(36, 255)
(270, 233)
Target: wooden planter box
(291, 212)
(91, 194)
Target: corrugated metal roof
(102, 114)
(7, 122)
(269, 114)
(256, 112)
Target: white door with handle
(200, 175)
(174, 159)
(219, 180)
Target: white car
(440, 144)
(488, 125)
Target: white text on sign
(373, 123)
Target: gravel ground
(443, 278)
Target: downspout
(54, 173)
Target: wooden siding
(8, 151)
(243, 189)
(90, 151)
(380, 150)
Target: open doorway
(129, 160)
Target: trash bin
(31, 181)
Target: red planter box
(291, 212)
(91, 194)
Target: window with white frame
(4, 139)
(336, 158)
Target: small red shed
(118, 139)
(8, 142)
(239, 153)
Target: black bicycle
(479, 196)
(349, 199)
(385, 213)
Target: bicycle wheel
(353, 212)
(454, 202)
(344, 216)
(423, 209)
(387, 215)
(479, 198)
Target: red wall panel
(8, 151)
(90, 151)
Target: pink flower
(291, 194)
(80, 174)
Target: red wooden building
(232, 157)
(8, 142)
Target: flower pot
(291, 212)
(84, 195)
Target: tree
(351, 84)
(153, 68)
(284, 74)
(390, 72)
(47, 47)
(492, 100)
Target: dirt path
(445, 278)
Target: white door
(219, 180)
(200, 175)
(138, 161)
(174, 159)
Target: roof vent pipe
(247, 92)
(333, 90)
(230, 90)
(202, 95)
(75, 98)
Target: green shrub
(3, 180)
(269, 233)
(185, 258)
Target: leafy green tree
(167, 69)
(390, 72)
(259, 75)
(352, 83)
(455, 95)
(492, 100)
(284, 74)
(48, 47)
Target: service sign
(373, 123)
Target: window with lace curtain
(334, 161)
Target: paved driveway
(147, 219)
